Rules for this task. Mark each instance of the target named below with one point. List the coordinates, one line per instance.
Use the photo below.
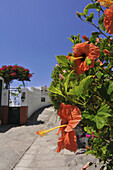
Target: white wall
(33, 99)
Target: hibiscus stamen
(43, 132)
(75, 58)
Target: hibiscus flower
(108, 20)
(68, 141)
(82, 52)
(70, 115)
(105, 2)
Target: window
(42, 99)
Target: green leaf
(110, 88)
(62, 60)
(71, 40)
(84, 84)
(90, 17)
(67, 81)
(55, 90)
(90, 6)
(88, 116)
(89, 130)
(101, 25)
(106, 91)
(88, 61)
(81, 89)
(94, 36)
(103, 91)
(101, 117)
(104, 149)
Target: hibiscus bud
(94, 76)
(72, 37)
(61, 76)
(110, 39)
(100, 62)
(106, 52)
(87, 147)
(85, 38)
(70, 54)
(98, 40)
(78, 15)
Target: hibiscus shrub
(83, 79)
(10, 73)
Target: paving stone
(4, 165)
(33, 163)
(20, 168)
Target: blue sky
(33, 32)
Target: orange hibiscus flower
(70, 115)
(108, 20)
(105, 2)
(83, 51)
(68, 141)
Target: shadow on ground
(33, 120)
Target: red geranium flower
(13, 74)
(29, 75)
(13, 68)
(84, 51)
(27, 70)
(108, 20)
(70, 115)
(4, 67)
(1, 68)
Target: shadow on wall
(33, 120)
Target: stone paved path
(22, 149)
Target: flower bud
(78, 15)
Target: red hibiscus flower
(70, 115)
(108, 20)
(83, 51)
